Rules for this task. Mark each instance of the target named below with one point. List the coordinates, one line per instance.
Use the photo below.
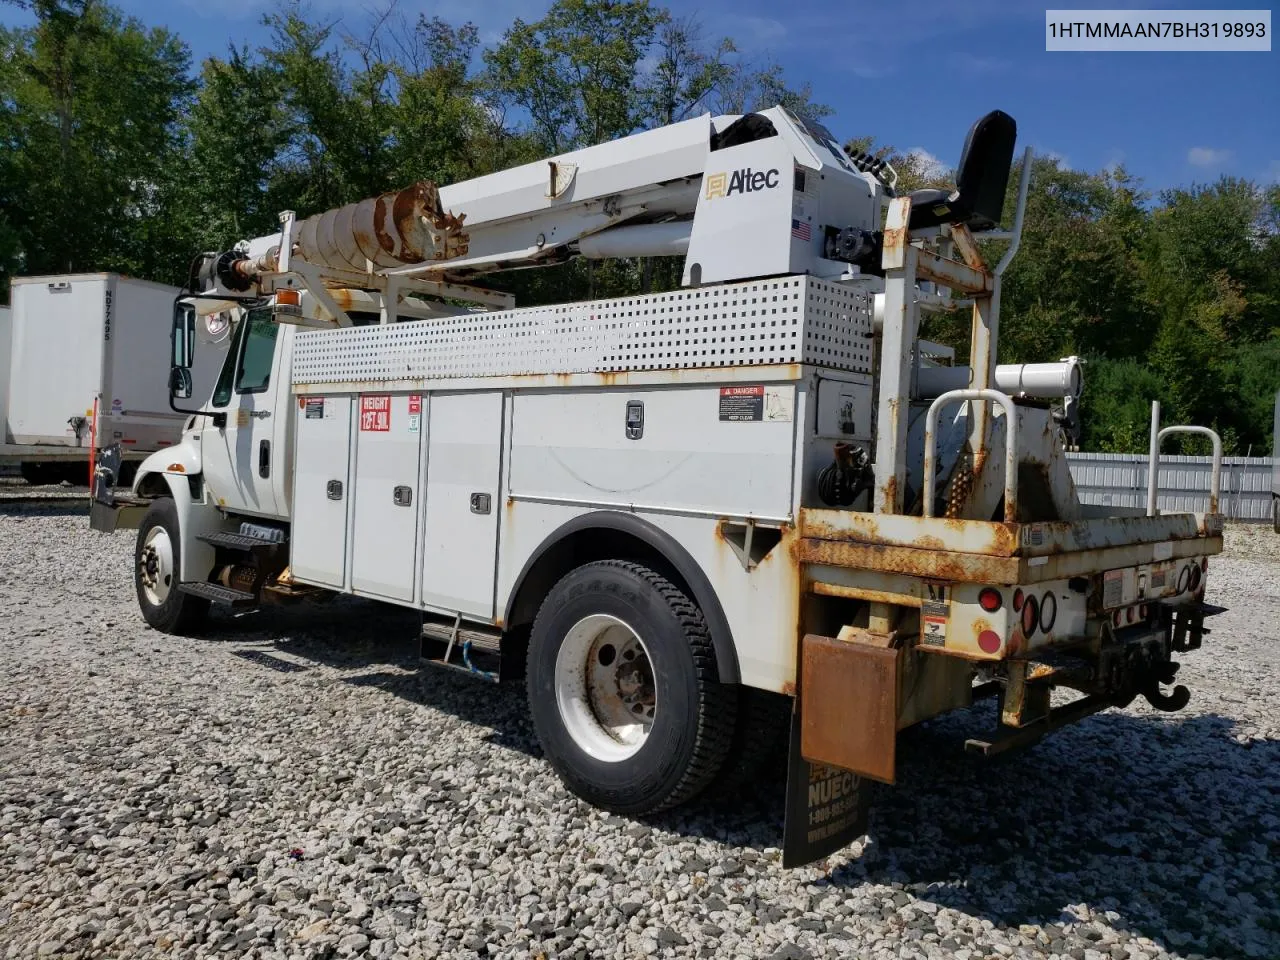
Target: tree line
(117, 153)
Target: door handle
(260, 414)
(333, 489)
(264, 458)
(402, 496)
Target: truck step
(238, 541)
(475, 651)
(216, 592)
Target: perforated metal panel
(787, 320)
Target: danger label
(741, 404)
(415, 404)
(933, 623)
(375, 413)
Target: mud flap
(827, 807)
(849, 704)
(844, 729)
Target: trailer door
(460, 543)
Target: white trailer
(85, 361)
(681, 515)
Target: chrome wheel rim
(605, 688)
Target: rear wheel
(157, 562)
(624, 691)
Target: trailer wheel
(623, 689)
(157, 557)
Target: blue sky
(916, 73)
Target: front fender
(179, 461)
(168, 473)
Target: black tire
(178, 613)
(759, 740)
(693, 722)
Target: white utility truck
(677, 514)
(81, 373)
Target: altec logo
(745, 180)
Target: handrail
(1010, 451)
(1153, 470)
(1024, 181)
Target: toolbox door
(322, 488)
(384, 531)
(464, 460)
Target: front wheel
(157, 562)
(624, 691)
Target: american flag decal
(800, 230)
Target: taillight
(1142, 612)
(1117, 618)
(1184, 579)
(1048, 612)
(1017, 600)
(1204, 564)
(1030, 616)
(1195, 577)
(989, 641)
(1128, 615)
(990, 600)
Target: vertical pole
(897, 338)
(1153, 458)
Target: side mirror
(183, 335)
(179, 382)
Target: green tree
(575, 71)
(91, 106)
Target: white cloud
(930, 165)
(1207, 157)
(764, 31)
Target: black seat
(983, 177)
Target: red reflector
(1017, 600)
(1030, 616)
(989, 641)
(1128, 615)
(989, 599)
(1117, 617)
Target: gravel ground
(293, 786)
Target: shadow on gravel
(1169, 823)
(53, 508)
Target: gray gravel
(293, 787)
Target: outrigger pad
(827, 808)
(849, 705)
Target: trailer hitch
(1167, 702)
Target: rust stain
(789, 689)
(895, 239)
(931, 564)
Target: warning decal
(315, 408)
(933, 623)
(375, 412)
(741, 404)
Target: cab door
(239, 457)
